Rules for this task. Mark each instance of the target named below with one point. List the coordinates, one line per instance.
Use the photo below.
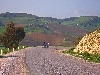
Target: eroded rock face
(89, 43)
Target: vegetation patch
(37, 28)
(2, 29)
(85, 55)
(5, 50)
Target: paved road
(46, 61)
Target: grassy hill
(1, 24)
(37, 28)
(55, 34)
(2, 27)
(33, 19)
(66, 30)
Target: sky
(52, 8)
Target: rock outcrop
(89, 43)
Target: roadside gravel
(13, 63)
(45, 61)
(49, 61)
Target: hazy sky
(52, 8)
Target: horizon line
(49, 16)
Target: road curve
(47, 61)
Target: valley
(63, 32)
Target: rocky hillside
(89, 43)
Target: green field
(76, 20)
(2, 29)
(25, 20)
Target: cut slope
(90, 43)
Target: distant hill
(55, 34)
(83, 22)
(8, 14)
(1, 24)
(2, 27)
(63, 29)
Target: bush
(5, 51)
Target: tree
(12, 36)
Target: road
(48, 61)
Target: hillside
(36, 38)
(82, 22)
(66, 30)
(1, 24)
(52, 33)
(2, 27)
